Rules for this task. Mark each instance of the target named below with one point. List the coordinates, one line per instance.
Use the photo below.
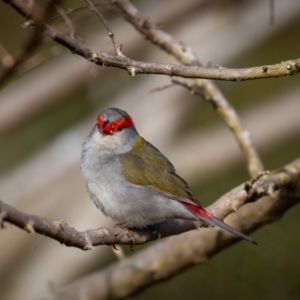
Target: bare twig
(66, 18)
(109, 31)
(162, 87)
(231, 118)
(68, 12)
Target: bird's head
(112, 121)
(114, 132)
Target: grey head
(113, 134)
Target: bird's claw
(125, 226)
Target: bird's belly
(135, 205)
(105, 193)
(129, 203)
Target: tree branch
(230, 202)
(134, 67)
(161, 261)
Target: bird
(132, 182)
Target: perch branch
(169, 257)
(86, 240)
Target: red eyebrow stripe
(109, 127)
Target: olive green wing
(147, 166)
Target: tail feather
(202, 214)
(217, 222)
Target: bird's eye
(104, 123)
(120, 128)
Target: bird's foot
(125, 226)
(155, 231)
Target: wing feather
(147, 166)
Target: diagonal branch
(167, 258)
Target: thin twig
(162, 87)
(68, 12)
(109, 31)
(66, 18)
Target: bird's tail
(217, 222)
(202, 214)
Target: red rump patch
(199, 211)
(113, 126)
